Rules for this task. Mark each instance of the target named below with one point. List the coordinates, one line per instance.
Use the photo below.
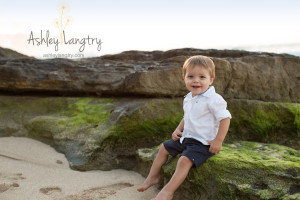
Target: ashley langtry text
(47, 40)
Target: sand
(31, 170)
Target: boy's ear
(211, 80)
(183, 76)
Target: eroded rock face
(239, 75)
(243, 170)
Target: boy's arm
(216, 144)
(178, 131)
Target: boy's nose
(196, 80)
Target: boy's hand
(215, 146)
(176, 135)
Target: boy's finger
(175, 137)
(212, 150)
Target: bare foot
(148, 183)
(162, 195)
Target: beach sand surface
(31, 170)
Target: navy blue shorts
(197, 152)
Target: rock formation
(266, 77)
(133, 100)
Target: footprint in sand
(5, 186)
(50, 190)
(99, 192)
(53, 192)
(10, 181)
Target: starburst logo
(62, 22)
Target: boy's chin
(195, 94)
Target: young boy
(201, 132)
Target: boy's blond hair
(202, 61)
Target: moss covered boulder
(243, 170)
(268, 122)
(149, 124)
(93, 133)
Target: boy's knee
(185, 161)
(163, 149)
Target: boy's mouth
(195, 86)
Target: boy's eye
(190, 76)
(202, 77)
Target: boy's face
(197, 80)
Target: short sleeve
(219, 108)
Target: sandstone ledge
(239, 75)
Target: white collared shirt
(202, 115)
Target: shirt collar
(211, 90)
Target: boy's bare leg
(182, 169)
(153, 176)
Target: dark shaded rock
(243, 170)
(65, 77)
(239, 75)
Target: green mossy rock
(268, 122)
(71, 125)
(147, 126)
(104, 133)
(243, 170)
(93, 133)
